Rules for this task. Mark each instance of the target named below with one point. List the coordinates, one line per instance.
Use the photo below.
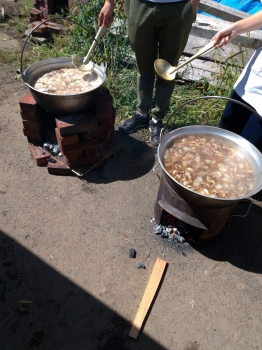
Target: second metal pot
(250, 152)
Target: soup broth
(209, 167)
(68, 81)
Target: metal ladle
(81, 63)
(165, 71)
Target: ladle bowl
(164, 69)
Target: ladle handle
(97, 37)
(206, 48)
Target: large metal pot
(60, 104)
(251, 153)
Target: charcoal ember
(179, 238)
(158, 229)
(132, 253)
(140, 265)
(165, 234)
(56, 150)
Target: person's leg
(234, 117)
(173, 22)
(143, 39)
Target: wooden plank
(225, 12)
(207, 27)
(148, 296)
(198, 70)
(241, 54)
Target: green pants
(156, 31)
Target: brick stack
(46, 29)
(81, 138)
(49, 7)
(36, 121)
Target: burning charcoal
(158, 229)
(164, 234)
(56, 149)
(179, 238)
(132, 253)
(140, 266)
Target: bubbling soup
(209, 167)
(68, 81)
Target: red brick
(107, 135)
(45, 16)
(102, 129)
(36, 14)
(74, 124)
(73, 155)
(77, 163)
(46, 5)
(31, 117)
(59, 168)
(28, 103)
(50, 2)
(39, 154)
(31, 126)
(105, 111)
(56, 29)
(32, 133)
(92, 151)
(47, 11)
(82, 146)
(41, 29)
(67, 140)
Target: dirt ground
(66, 279)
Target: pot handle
(248, 208)
(217, 98)
(47, 20)
(154, 171)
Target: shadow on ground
(239, 243)
(41, 309)
(132, 160)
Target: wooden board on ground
(207, 27)
(148, 296)
(240, 55)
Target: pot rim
(97, 68)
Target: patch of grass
(10, 57)
(25, 8)
(20, 26)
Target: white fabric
(249, 84)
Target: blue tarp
(248, 6)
